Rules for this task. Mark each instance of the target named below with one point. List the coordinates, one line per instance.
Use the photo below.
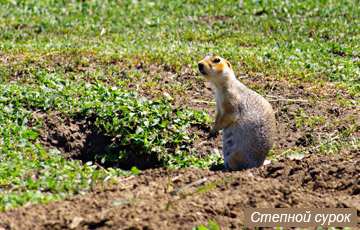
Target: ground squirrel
(246, 118)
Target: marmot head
(215, 68)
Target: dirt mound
(139, 202)
(337, 175)
(80, 139)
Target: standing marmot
(247, 119)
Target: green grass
(212, 226)
(306, 39)
(78, 58)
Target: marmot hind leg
(239, 161)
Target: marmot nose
(201, 66)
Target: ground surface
(139, 202)
(85, 84)
(317, 180)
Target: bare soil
(139, 202)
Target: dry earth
(139, 202)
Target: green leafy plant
(212, 226)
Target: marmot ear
(228, 63)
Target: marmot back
(246, 118)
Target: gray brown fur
(246, 118)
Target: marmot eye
(216, 60)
